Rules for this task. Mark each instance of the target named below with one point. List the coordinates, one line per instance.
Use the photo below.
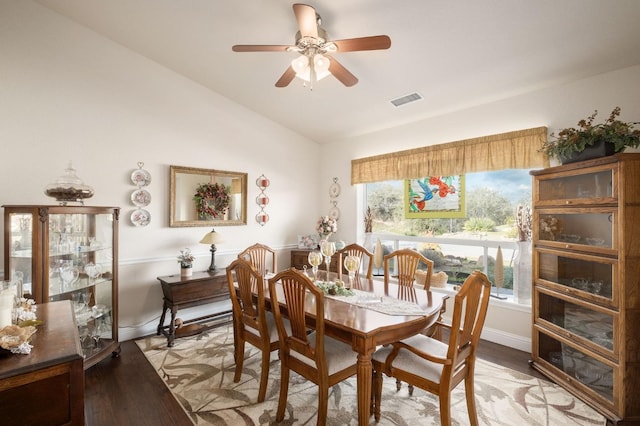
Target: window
(460, 245)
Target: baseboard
(151, 328)
(506, 339)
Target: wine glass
(93, 271)
(315, 259)
(351, 264)
(69, 275)
(328, 249)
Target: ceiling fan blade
(341, 73)
(259, 48)
(286, 78)
(363, 43)
(307, 22)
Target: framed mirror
(206, 197)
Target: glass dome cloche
(69, 188)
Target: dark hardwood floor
(127, 391)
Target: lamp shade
(212, 238)
(300, 64)
(321, 64)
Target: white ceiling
(455, 53)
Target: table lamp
(212, 238)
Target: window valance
(512, 150)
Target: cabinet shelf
(49, 247)
(586, 306)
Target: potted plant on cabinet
(590, 140)
(185, 259)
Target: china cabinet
(69, 253)
(586, 289)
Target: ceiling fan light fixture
(300, 65)
(320, 64)
(305, 67)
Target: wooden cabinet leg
(164, 312)
(172, 328)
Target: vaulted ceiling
(455, 54)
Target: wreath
(212, 199)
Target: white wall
(66, 93)
(554, 107)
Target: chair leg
(471, 400)
(372, 401)
(239, 358)
(284, 389)
(323, 402)
(377, 394)
(399, 386)
(264, 375)
(445, 408)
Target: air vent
(403, 100)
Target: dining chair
(407, 262)
(406, 265)
(438, 367)
(251, 321)
(261, 257)
(318, 358)
(362, 253)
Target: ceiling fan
(314, 47)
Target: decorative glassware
(315, 259)
(328, 249)
(69, 188)
(93, 271)
(351, 264)
(68, 275)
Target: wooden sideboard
(186, 292)
(47, 385)
(299, 260)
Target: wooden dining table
(364, 328)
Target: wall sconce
(262, 200)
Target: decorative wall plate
(140, 178)
(334, 189)
(140, 217)
(334, 213)
(140, 197)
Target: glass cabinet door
(80, 265)
(591, 228)
(589, 277)
(594, 327)
(576, 188)
(21, 250)
(595, 375)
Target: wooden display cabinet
(69, 253)
(586, 281)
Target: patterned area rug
(199, 371)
